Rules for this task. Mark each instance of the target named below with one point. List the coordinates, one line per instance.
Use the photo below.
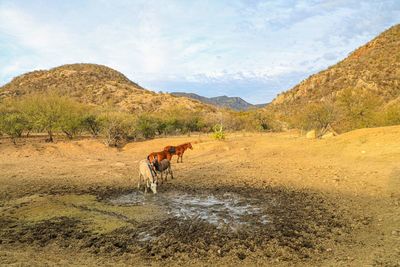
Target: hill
(97, 85)
(235, 103)
(374, 67)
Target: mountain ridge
(96, 85)
(235, 103)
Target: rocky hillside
(375, 66)
(235, 103)
(98, 85)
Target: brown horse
(159, 156)
(178, 150)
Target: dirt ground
(333, 202)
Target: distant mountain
(235, 103)
(96, 85)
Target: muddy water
(225, 210)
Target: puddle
(226, 210)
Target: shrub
(218, 133)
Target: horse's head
(189, 145)
(153, 187)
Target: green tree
(12, 123)
(391, 114)
(358, 108)
(53, 113)
(92, 123)
(71, 121)
(318, 116)
(147, 126)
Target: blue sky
(253, 49)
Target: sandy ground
(337, 201)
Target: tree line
(57, 115)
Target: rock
(311, 134)
(328, 135)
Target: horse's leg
(140, 180)
(170, 172)
(161, 177)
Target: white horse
(147, 176)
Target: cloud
(210, 47)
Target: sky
(254, 49)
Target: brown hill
(98, 85)
(374, 66)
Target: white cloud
(187, 42)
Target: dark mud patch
(271, 223)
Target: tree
(116, 127)
(12, 121)
(13, 124)
(318, 116)
(50, 113)
(71, 120)
(92, 124)
(358, 108)
(147, 126)
(391, 114)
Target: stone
(328, 135)
(311, 134)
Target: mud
(272, 223)
(223, 210)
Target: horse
(147, 176)
(178, 150)
(159, 156)
(162, 167)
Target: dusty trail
(252, 199)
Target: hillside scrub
(358, 109)
(353, 108)
(391, 114)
